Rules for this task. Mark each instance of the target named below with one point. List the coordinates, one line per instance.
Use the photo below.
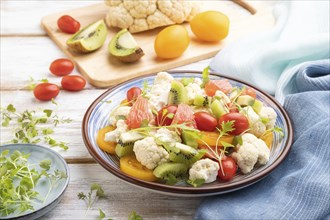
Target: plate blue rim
(47, 207)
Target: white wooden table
(27, 51)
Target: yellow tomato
(131, 166)
(268, 138)
(171, 42)
(211, 139)
(210, 26)
(108, 147)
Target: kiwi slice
(178, 93)
(189, 139)
(170, 171)
(201, 100)
(126, 142)
(182, 153)
(218, 109)
(245, 100)
(89, 38)
(124, 47)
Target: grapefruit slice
(184, 114)
(138, 113)
(222, 84)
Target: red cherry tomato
(73, 83)
(46, 91)
(249, 91)
(229, 168)
(61, 67)
(205, 121)
(68, 24)
(132, 94)
(165, 115)
(240, 125)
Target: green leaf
(278, 130)
(45, 164)
(106, 101)
(205, 76)
(54, 102)
(47, 131)
(238, 140)
(44, 80)
(196, 182)
(187, 81)
(5, 122)
(134, 216)
(227, 127)
(48, 112)
(226, 144)
(11, 108)
(81, 196)
(171, 179)
(101, 215)
(99, 190)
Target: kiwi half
(89, 38)
(167, 171)
(124, 47)
(182, 153)
(201, 100)
(178, 93)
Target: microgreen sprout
(19, 179)
(32, 126)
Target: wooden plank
(23, 17)
(22, 57)
(70, 105)
(122, 198)
(102, 71)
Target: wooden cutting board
(101, 70)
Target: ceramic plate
(38, 153)
(97, 117)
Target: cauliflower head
(142, 15)
(252, 151)
(204, 169)
(121, 111)
(149, 154)
(270, 115)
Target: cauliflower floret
(150, 13)
(252, 150)
(269, 114)
(168, 136)
(256, 126)
(121, 111)
(160, 90)
(246, 157)
(204, 169)
(193, 89)
(113, 136)
(222, 96)
(149, 154)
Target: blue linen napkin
(292, 62)
(300, 187)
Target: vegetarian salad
(192, 129)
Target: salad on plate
(195, 130)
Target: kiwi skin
(136, 55)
